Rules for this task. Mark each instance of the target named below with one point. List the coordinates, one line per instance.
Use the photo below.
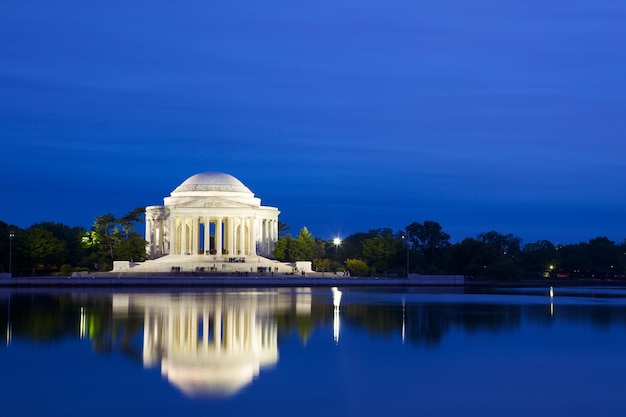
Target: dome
(212, 181)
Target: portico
(211, 213)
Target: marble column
(242, 232)
(173, 236)
(231, 236)
(273, 235)
(156, 237)
(195, 235)
(218, 236)
(207, 235)
(149, 243)
(252, 239)
(183, 243)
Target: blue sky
(346, 115)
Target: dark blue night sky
(346, 115)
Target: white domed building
(210, 222)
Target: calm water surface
(312, 352)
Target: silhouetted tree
(539, 258)
(430, 243)
(604, 256)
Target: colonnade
(192, 329)
(197, 234)
(209, 347)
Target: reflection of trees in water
(41, 318)
(117, 334)
(49, 317)
(303, 324)
(427, 323)
(602, 316)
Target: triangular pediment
(214, 202)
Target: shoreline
(254, 280)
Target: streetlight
(337, 242)
(406, 240)
(11, 235)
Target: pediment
(214, 202)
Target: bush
(357, 267)
(66, 270)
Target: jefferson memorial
(211, 222)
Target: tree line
(49, 247)
(422, 248)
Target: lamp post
(11, 235)
(337, 242)
(406, 240)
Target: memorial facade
(211, 213)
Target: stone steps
(210, 263)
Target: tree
(71, 236)
(303, 248)
(283, 229)
(574, 260)
(428, 236)
(130, 219)
(112, 244)
(467, 257)
(508, 244)
(132, 246)
(305, 245)
(539, 258)
(604, 256)
(381, 253)
(43, 248)
(321, 265)
(351, 246)
(107, 236)
(502, 255)
(132, 249)
(357, 267)
(283, 248)
(431, 242)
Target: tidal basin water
(314, 352)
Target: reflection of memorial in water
(210, 344)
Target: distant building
(211, 213)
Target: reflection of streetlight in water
(551, 301)
(336, 304)
(9, 322)
(403, 319)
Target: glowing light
(337, 241)
(83, 324)
(551, 302)
(403, 321)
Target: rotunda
(211, 213)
